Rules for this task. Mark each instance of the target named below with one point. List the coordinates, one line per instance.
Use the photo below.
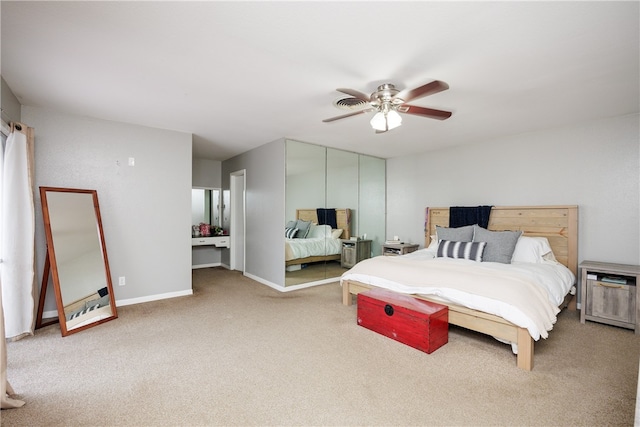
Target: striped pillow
(461, 250)
(290, 233)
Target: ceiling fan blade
(344, 116)
(428, 89)
(355, 94)
(425, 112)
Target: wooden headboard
(559, 224)
(343, 219)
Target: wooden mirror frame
(51, 266)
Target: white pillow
(532, 249)
(327, 233)
(336, 233)
(313, 231)
(319, 231)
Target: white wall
(145, 209)
(9, 102)
(594, 165)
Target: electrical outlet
(121, 281)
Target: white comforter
(302, 248)
(526, 294)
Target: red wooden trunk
(420, 324)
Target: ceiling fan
(388, 102)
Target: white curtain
(6, 401)
(17, 245)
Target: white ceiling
(240, 74)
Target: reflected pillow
(500, 244)
(461, 250)
(336, 233)
(319, 232)
(303, 228)
(290, 233)
(100, 302)
(459, 234)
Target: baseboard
(215, 264)
(131, 301)
(290, 288)
(50, 314)
(157, 297)
(264, 282)
(310, 284)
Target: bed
(322, 243)
(557, 225)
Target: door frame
(238, 187)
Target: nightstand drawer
(611, 301)
(395, 249)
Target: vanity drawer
(217, 241)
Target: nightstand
(608, 294)
(354, 251)
(395, 249)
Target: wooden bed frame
(559, 224)
(343, 220)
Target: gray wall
(146, 208)
(206, 173)
(265, 183)
(594, 165)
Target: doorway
(238, 219)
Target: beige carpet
(239, 353)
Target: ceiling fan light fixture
(393, 119)
(386, 120)
(379, 121)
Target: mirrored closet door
(342, 195)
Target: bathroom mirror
(77, 259)
(206, 206)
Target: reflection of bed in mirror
(323, 241)
(89, 309)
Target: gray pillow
(103, 301)
(291, 224)
(500, 244)
(303, 228)
(460, 234)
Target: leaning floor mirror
(76, 259)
